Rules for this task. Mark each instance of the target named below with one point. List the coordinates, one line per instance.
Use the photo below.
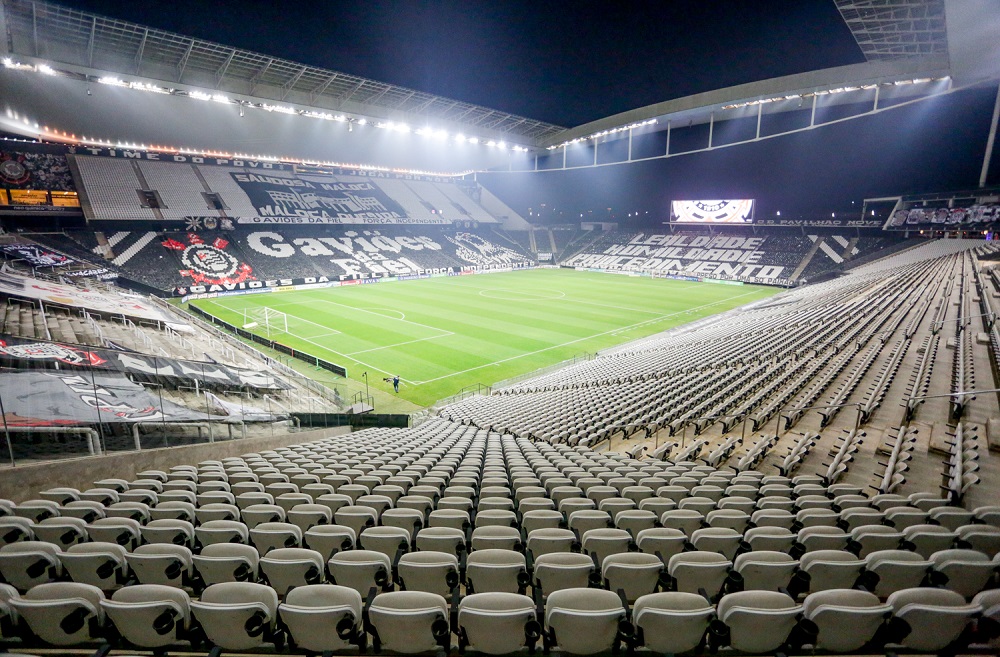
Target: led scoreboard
(739, 211)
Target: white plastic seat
(758, 621)
(360, 570)
(896, 570)
(873, 538)
(37, 510)
(496, 570)
(387, 540)
(62, 613)
(99, 564)
(27, 564)
(966, 571)
(442, 539)
(583, 520)
(687, 520)
(306, 516)
(503, 538)
(269, 536)
(583, 621)
(831, 569)
(821, 537)
(846, 619)
(237, 615)
(635, 573)
(775, 539)
(773, 518)
(286, 568)
(428, 570)
(662, 542)
(357, 518)
(121, 531)
(213, 532)
(323, 617)
(600, 543)
(556, 571)
(161, 563)
(925, 540)
(227, 562)
(695, 571)
(60, 531)
(175, 532)
(547, 541)
(409, 519)
(672, 622)
(150, 615)
(541, 519)
(765, 571)
(14, 529)
(723, 540)
(410, 621)
(936, 617)
(982, 538)
(902, 517)
(635, 520)
(329, 539)
(174, 509)
(728, 519)
(216, 511)
(497, 623)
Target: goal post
(268, 318)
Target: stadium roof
(101, 44)
(892, 29)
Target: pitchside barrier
(273, 344)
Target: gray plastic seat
(583, 621)
(672, 622)
(410, 621)
(497, 623)
(323, 617)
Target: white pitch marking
(596, 335)
(400, 344)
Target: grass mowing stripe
(442, 334)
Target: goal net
(269, 319)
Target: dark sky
(563, 62)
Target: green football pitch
(443, 334)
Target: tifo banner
(36, 255)
(699, 256)
(37, 398)
(23, 353)
(78, 297)
(328, 202)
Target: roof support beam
(220, 73)
(255, 80)
(318, 91)
(347, 95)
(406, 98)
(139, 52)
(287, 87)
(90, 41)
(181, 65)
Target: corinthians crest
(51, 351)
(209, 262)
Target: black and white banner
(721, 256)
(321, 202)
(36, 255)
(40, 398)
(23, 353)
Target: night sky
(563, 62)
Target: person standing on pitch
(395, 382)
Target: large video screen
(739, 211)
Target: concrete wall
(24, 482)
